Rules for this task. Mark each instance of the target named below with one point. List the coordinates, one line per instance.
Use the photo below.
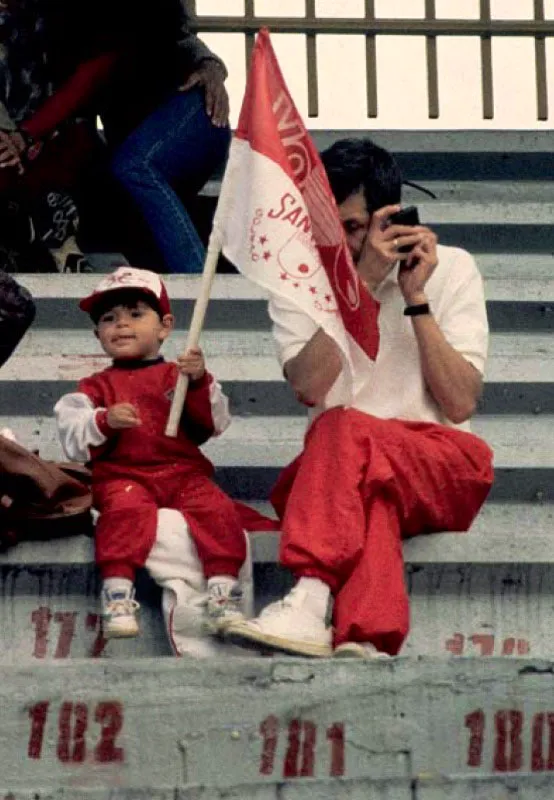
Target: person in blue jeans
(165, 116)
(181, 143)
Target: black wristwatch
(418, 310)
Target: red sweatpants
(128, 505)
(360, 485)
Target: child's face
(131, 333)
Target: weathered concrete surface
(244, 357)
(52, 612)
(524, 787)
(483, 593)
(518, 441)
(176, 724)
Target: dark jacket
(156, 50)
(17, 311)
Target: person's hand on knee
(211, 75)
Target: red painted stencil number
(486, 644)
(509, 753)
(299, 759)
(42, 619)
(73, 721)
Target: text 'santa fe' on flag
(277, 219)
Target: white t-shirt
(393, 385)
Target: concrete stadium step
(520, 304)
(487, 592)
(464, 155)
(252, 451)
(278, 728)
(520, 372)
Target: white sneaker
(359, 650)
(189, 637)
(223, 606)
(119, 613)
(286, 625)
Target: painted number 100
(509, 735)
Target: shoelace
(127, 606)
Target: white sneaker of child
(224, 604)
(297, 624)
(185, 613)
(119, 610)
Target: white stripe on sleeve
(219, 403)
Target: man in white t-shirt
(394, 459)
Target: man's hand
(379, 252)
(122, 415)
(211, 75)
(412, 281)
(12, 146)
(192, 364)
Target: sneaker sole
(217, 627)
(352, 650)
(237, 632)
(121, 633)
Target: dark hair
(353, 164)
(129, 298)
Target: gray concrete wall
(243, 728)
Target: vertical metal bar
(371, 63)
(432, 66)
(486, 63)
(249, 36)
(311, 59)
(540, 66)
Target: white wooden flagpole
(196, 324)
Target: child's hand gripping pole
(210, 264)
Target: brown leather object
(41, 499)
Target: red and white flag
(277, 219)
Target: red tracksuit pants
(128, 501)
(359, 486)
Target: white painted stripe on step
(518, 441)
(519, 282)
(247, 355)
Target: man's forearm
(193, 49)
(454, 383)
(314, 370)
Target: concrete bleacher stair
(425, 726)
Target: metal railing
(371, 26)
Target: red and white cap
(125, 278)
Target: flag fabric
(277, 219)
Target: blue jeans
(176, 143)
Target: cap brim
(88, 304)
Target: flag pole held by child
(197, 322)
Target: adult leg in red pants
(360, 483)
